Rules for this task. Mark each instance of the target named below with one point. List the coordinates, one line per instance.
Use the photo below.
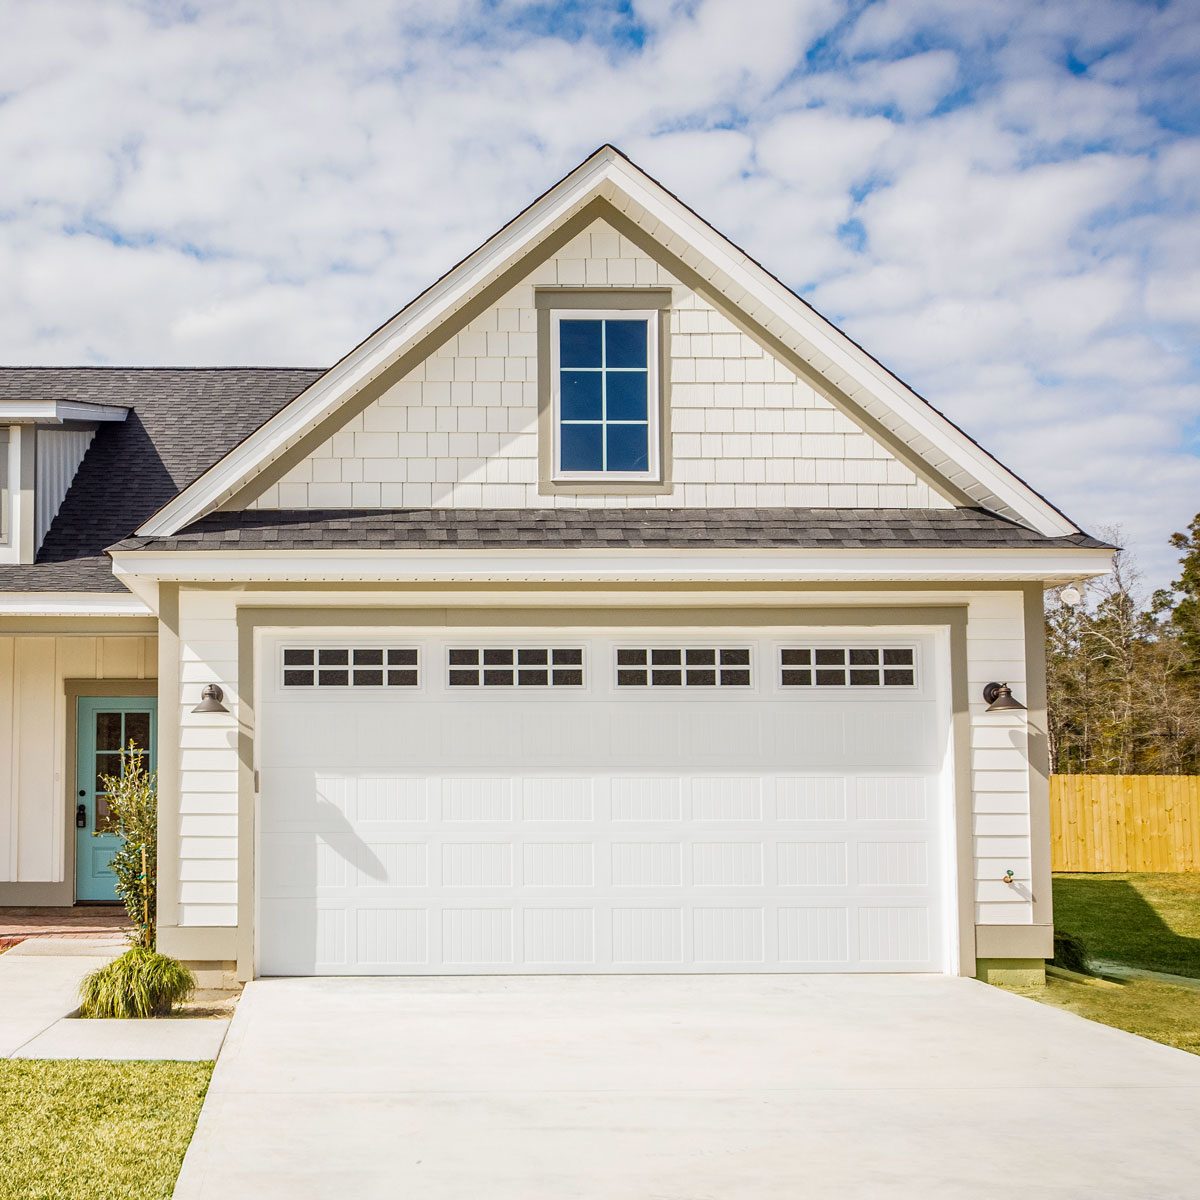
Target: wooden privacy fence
(1125, 822)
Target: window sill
(603, 487)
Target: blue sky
(998, 198)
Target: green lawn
(1150, 921)
(1157, 1011)
(74, 1130)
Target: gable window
(605, 394)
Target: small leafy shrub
(133, 800)
(1070, 952)
(141, 983)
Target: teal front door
(105, 725)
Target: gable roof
(958, 464)
(181, 421)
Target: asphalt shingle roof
(589, 528)
(182, 421)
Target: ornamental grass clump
(142, 982)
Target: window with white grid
(848, 666)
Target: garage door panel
(392, 800)
(730, 798)
(810, 799)
(646, 799)
(561, 799)
(741, 829)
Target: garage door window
(683, 666)
(848, 666)
(515, 666)
(350, 666)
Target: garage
(608, 801)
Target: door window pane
(137, 729)
(108, 731)
(107, 764)
(105, 823)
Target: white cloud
(998, 199)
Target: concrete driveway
(661, 1088)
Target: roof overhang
(607, 176)
(136, 568)
(71, 604)
(58, 412)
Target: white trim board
(608, 175)
(573, 564)
(71, 604)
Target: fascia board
(841, 352)
(71, 604)
(610, 175)
(57, 412)
(379, 350)
(598, 565)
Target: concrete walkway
(1121, 971)
(39, 984)
(39, 989)
(729, 1087)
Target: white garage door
(602, 803)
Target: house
(606, 610)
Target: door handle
(81, 816)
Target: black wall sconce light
(999, 698)
(210, 700)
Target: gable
(607, 184)
(460, 429)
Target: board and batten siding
(33, 738)
(461, 429)
(208, 764)
(59, 453)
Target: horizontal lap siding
(461, 429)
(999, 761)
(33, 739)
(207, 787)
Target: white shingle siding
(461, 429)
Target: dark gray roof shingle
(589, 528)
(182, 421)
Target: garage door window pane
(339, 667)
(853, 666)
(509, 666)
(683, 666)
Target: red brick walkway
(84, 920)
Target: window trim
(848, 688)
(653, 472)
(350, 687)
(590, 300)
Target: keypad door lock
(81, 816)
